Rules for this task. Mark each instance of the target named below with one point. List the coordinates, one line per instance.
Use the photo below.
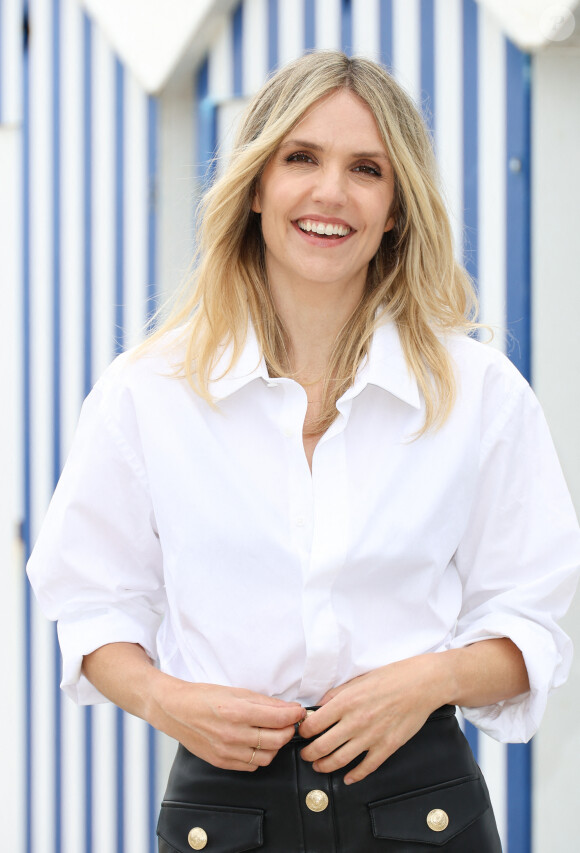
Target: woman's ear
(390, 224)
(256, 206)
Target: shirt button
(300, 521)
(288, 432)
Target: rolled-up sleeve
(97, 565)
(519, 561)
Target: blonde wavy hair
(413, 277)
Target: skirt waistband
(438, 714)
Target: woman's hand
(375, 713)
(378, 712)
(225, 726)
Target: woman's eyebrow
(314, 146)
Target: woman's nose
(330, 187)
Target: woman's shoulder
(153, 360)
(141, 380)
(483, 363)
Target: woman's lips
(323, 229)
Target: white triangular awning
(537, 24)
(155, 38)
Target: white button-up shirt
(202, 534)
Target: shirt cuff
(80, 635)
(548, 657)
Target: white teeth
(325, 228)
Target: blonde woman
(312, 489)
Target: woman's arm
(221, 725)
(378, 712)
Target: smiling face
(325, 198)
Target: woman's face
(325, 197)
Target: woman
(312, 489)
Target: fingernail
(348, 780)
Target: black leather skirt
(429, 796)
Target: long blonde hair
(413, 276)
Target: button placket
(292, 415)
(327, 556)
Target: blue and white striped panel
(89, 235)
(12, 34)
(474, 89)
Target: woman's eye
(368, 169)
(299, 157)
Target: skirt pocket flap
(186, 827)
(431, 815)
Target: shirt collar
(385, 367)
(249, 366)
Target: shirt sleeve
(96, 567)
(519, 561)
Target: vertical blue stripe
(152, 804)
(237, 51)
(88, 352)
(56, 388)
(472, 735)
(152, 153)
(152, 165)
(119, 213)
(119, 341)
(88, 756)
(518, 207)
(273, 23)
(120, 780)
(519, 792)
(346, 26)
(26, 418)
(309, 24)
(206, 128)
(87, 205)
(519, 325)
(470, 138)
(428, 62)
(386, 32)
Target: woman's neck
(313, 324)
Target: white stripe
(366, 29)
(105, 795)
(73, 777)
(12, 713)
(136, 209)
(493, 762)
(136, 787)
(290, 30)
(220, 64)
(255, 45)
(448, 106)
(492, 178)
(407, 46)
(103, 208)
(41, 260)
(72, 239)
(72, 232)
(328, 17)
(11, 70)
(176, 184)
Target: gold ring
(259, 739)
(252, 758)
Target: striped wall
(87, 238)
(473, 87)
